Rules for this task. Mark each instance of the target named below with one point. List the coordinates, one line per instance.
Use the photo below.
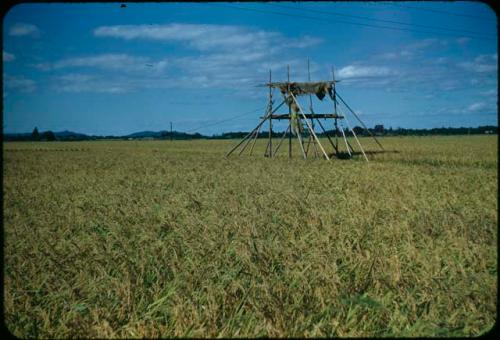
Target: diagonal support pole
(299, 136)
(256, 132)
(309, 126)
(355, 137)
(255, 139)
(281, 141)
(327, 135)
(347, 145)
(267, 116)
(355, 115)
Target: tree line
(378, 130)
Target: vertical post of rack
(270, 118)
(335, 111)
(289, 115)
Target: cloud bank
(23, 29)
(8, 57)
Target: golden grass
(160, 238)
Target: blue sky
(103, 69)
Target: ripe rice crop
(161, 239)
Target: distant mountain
(145, 134)
(62, 135)
(164, 135)
(17, 135)
(70, 135)
(75, 136)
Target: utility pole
(171, 135)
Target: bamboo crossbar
(308, 116)
(286, 83)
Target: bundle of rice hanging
(296, 123)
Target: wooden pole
(312, 112)
(299, 136)
(171, 135)
(290, 115)
(270, 120)
(355, 115)
(336, 134)
(315, 148)
(355, 137)
(349, 143)
(309, 126)
(248, 141)
(308, 142)
(254, 140)
(335, 111)
(281, 140)
(346, 143)
(310, 97)
(268, 114)
(244, 138)
(326, 133)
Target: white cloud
(477, 107)
(417, 47)
(201, 37)
(117, 62)
(20, 83)
(76, 82)
(22, 29)
(388, 56)
(422, 44)
(8, 57)
(490, 92)
(205, 37)
(484, 63)
(305, 41)
(202, 71)
(441, 60)
(411, 50)
(353, 71)
(228, 56)
(415, 68)
(463, 40)
(115, 83)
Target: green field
(160, 238)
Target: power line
(345, 22)
(225, 120)
(440, 11)
(381, 20)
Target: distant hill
(164, 135)
(144, 134)
(75, 136)
(62, 135)
(16, 136)
(69, 135)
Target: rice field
(168, 238)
